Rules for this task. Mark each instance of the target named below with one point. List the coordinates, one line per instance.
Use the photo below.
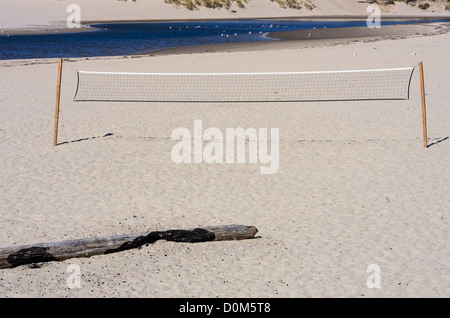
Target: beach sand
(355, 186)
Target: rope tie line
(414, 107)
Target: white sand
(355, 186)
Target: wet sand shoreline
(314, 37)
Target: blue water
(134, 38)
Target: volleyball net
(348, 85)
(381, 84)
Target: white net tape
(381, 84)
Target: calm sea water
(135, 38)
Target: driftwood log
(59, 251)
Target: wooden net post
(424, 111)
(58, 94)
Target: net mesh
(386, 84)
